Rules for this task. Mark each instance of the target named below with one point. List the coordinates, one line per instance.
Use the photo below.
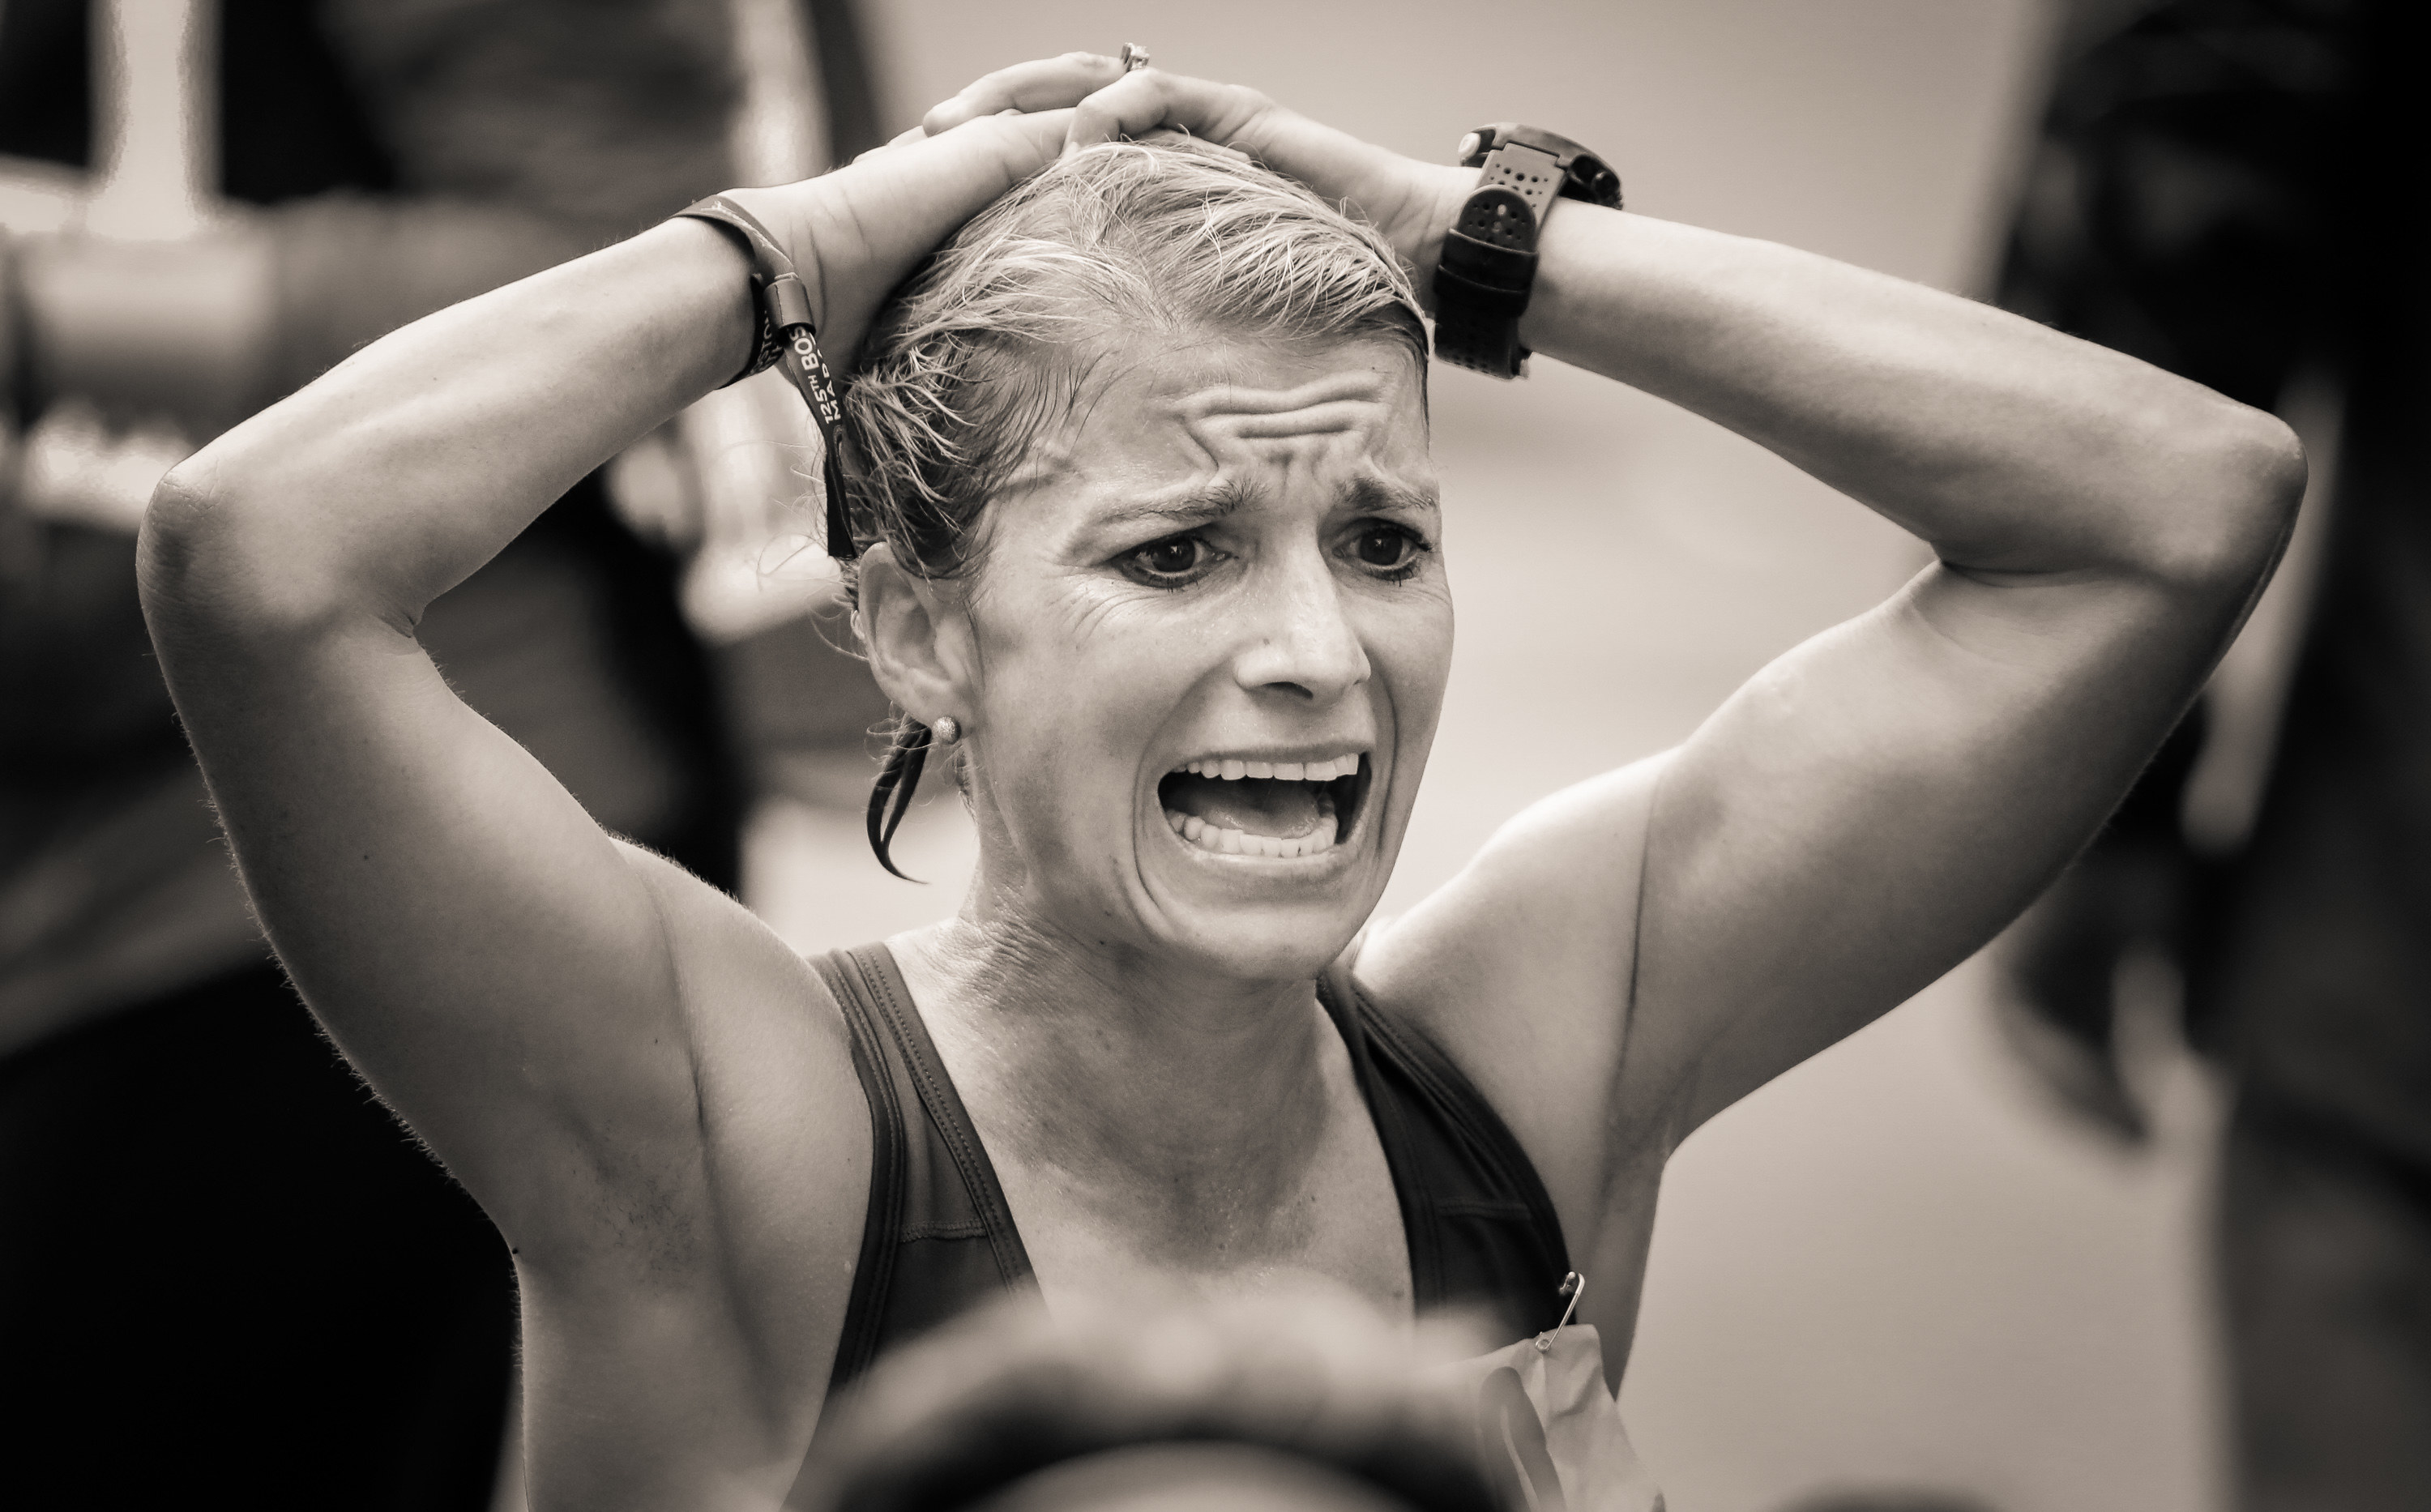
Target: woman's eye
(1176, 556)
(1388, 548)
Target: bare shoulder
(754, 1219)
(1521, 968)
(732, 1269)
(784, 1126)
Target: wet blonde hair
(992, 342)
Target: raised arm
(1878, 802)
(560, 1015)
(432, 889)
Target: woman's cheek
(1411, 643)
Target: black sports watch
(1489, 257)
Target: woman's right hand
(858, 231)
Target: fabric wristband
(788, 339)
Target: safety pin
(1573, 1286)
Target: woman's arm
(1875, 805)
(540, 1001)
(431, 887)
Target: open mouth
(1281, 809)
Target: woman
(1144, 478)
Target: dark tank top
(939, 1241)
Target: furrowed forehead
(1179, 437)
(1201, 404)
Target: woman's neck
(1119, 1071)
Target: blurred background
(1965, 1253)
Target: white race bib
(1548, 1429)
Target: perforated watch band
(1488, 266)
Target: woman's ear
(919, 637)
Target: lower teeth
(1222, 842)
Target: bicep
(1521, 968)
(1632, 954)
(492, 961)
(1879, 802)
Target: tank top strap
(937, 1238)
(1481, 1227)
(873, 1067)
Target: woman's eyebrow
(1196, 508)
(1377, 494)
(1214, 503)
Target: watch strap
(1482, 280)
(1489, 264)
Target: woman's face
(1206, 652)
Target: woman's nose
(1304, 642)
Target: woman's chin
(1255, 916)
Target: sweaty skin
(1082, 687)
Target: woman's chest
(1315, 1202)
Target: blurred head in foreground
(1307, 1401)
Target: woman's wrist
(790, 211)
(726, 267)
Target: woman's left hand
(1412, 203)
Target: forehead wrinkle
(1338, 404)
(1350, 383)
(1217, 430)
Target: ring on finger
(1133, 59)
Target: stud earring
(946, 731)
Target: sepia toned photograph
(1344, 756)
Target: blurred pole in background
(156, 86)
(2232, 189)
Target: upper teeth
(1232, 771)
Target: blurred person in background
(2233, 190)
(222, 1264)
(1136, 480)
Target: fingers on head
(1044, 84)
(1141, 102)
(1132, 105)
(1021, 142)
